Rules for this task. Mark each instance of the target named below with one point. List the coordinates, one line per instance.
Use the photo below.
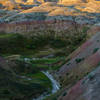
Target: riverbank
(55, 86)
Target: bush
(65, 93)
(95, 50)
(78, 60)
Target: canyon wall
(25, 27)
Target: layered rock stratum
(23, 11)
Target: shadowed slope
(81, 62)
(86, 89)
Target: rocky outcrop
(25, 27)
(76, 1)
(94, 29)
(80, 62)
(9, 4)
(86, 89)
(35, 1)
(70, 1)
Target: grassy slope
(17, 44)
(33, 43)
(14, 87)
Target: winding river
(55, 86)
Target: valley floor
(34, 62)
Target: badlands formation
(25, 10)
(51, 13)
(46, 16)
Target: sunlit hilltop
(55, 9)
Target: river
(55, 86)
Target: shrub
(67, 74)
(95, 50)
(90, 76)
(78, 60)
(65, 93)
(85, 29)
(6, 92)
(98, 40)
(68, 63)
